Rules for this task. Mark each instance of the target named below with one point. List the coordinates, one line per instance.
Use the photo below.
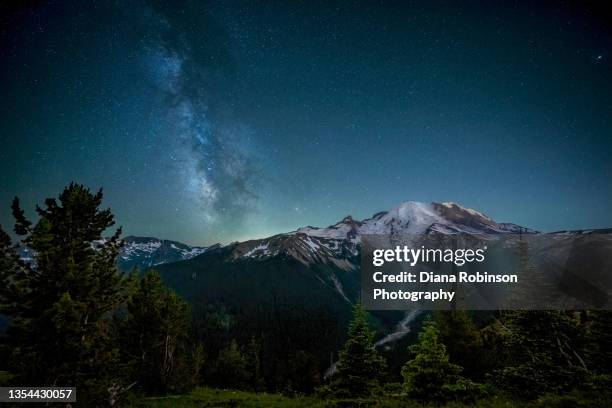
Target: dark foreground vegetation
(73, 319)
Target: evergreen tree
(430, 375)
(463, 342)
(10, 270)
(303, 372)
(155, 338)
(360, 367)
(253, 365)
(495, 352)
(546, 356)
(61, 331)
(600, 341)
(231, 368)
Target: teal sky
(219, 121)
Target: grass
(5, 377)
(210, 397)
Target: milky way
(211, 153)
(215, 121)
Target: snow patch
(259, 248)
(339, 287)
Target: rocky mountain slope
(146, 252)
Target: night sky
(222, 121)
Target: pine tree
(155, 338)
(429, 375)
(61, 331)
(11, 269)
(360, 367)
(546, 356)
(253, 365)
(462, 339)
(600, 341)
(231, 368)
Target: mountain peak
(348, 219)
(340, 241)
(413, 217)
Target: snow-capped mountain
(416, 218)
(145, 252)
(314, 269)
(139, 252)
(332, 253)
(338, 243)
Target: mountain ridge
(145, 252)
(339, 242)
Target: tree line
(521, 355)
(75, 320)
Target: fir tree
(462, 339)
(600, 341)
(545, 353)
(155, 338)
(360, 367)
(61, 331)
(303, 372)
(231, 368)
(11, 269)
(253, 365)
(430, 374)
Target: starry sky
(219, 121)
